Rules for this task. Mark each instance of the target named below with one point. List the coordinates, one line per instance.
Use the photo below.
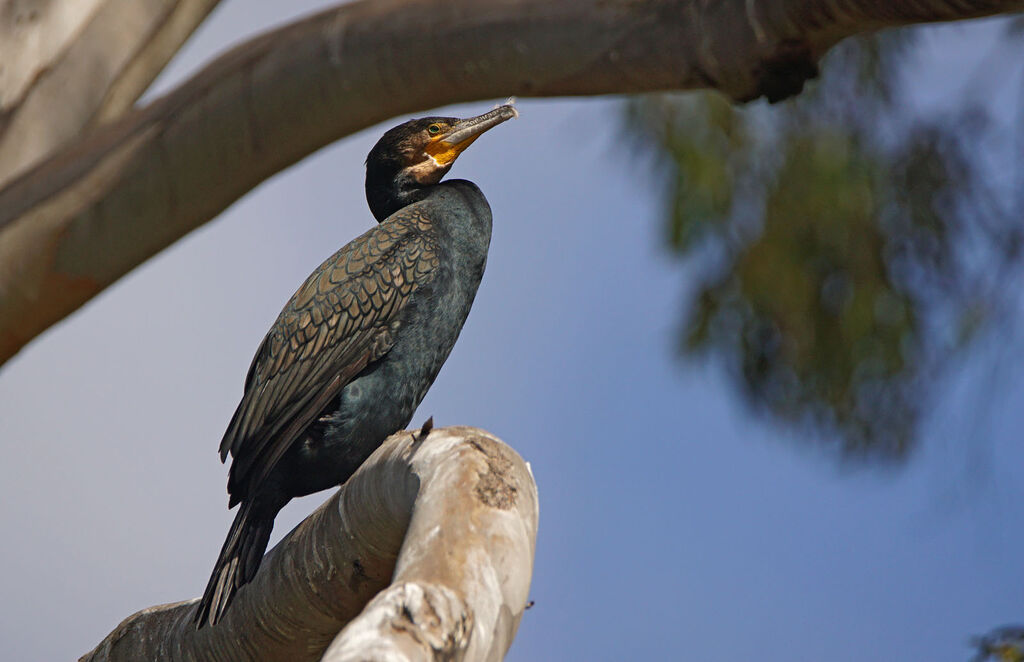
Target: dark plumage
(356, 348)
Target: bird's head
(419, 153)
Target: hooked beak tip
(471, 128)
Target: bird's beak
(446, 148)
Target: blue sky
(673, 525)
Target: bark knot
(494, 487)
(433, 617)
(782, 74)
(358, 576)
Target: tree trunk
(449, 521)
(77, 222)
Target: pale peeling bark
(67, 65)
(84, 218)
(450, 522)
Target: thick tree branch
(78, 222)
(451, 520)
(67, 66)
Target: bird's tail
(239, 559)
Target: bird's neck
(386, 194)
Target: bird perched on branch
(356, 348)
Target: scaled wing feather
(337, 322)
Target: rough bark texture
(79, 221)
(66, 66)
(450, 520)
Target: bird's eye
(434, 129)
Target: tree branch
(79, 221)
(67, 66)
(451, 520)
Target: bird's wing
(341, 319)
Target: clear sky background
(673, 524)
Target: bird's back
(342, 318)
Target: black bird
(356, 348)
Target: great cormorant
(354, 351)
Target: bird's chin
(428, 172)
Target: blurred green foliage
(849, 249)
(1005, 644)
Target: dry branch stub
(449, 520)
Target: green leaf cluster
(846, 247)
